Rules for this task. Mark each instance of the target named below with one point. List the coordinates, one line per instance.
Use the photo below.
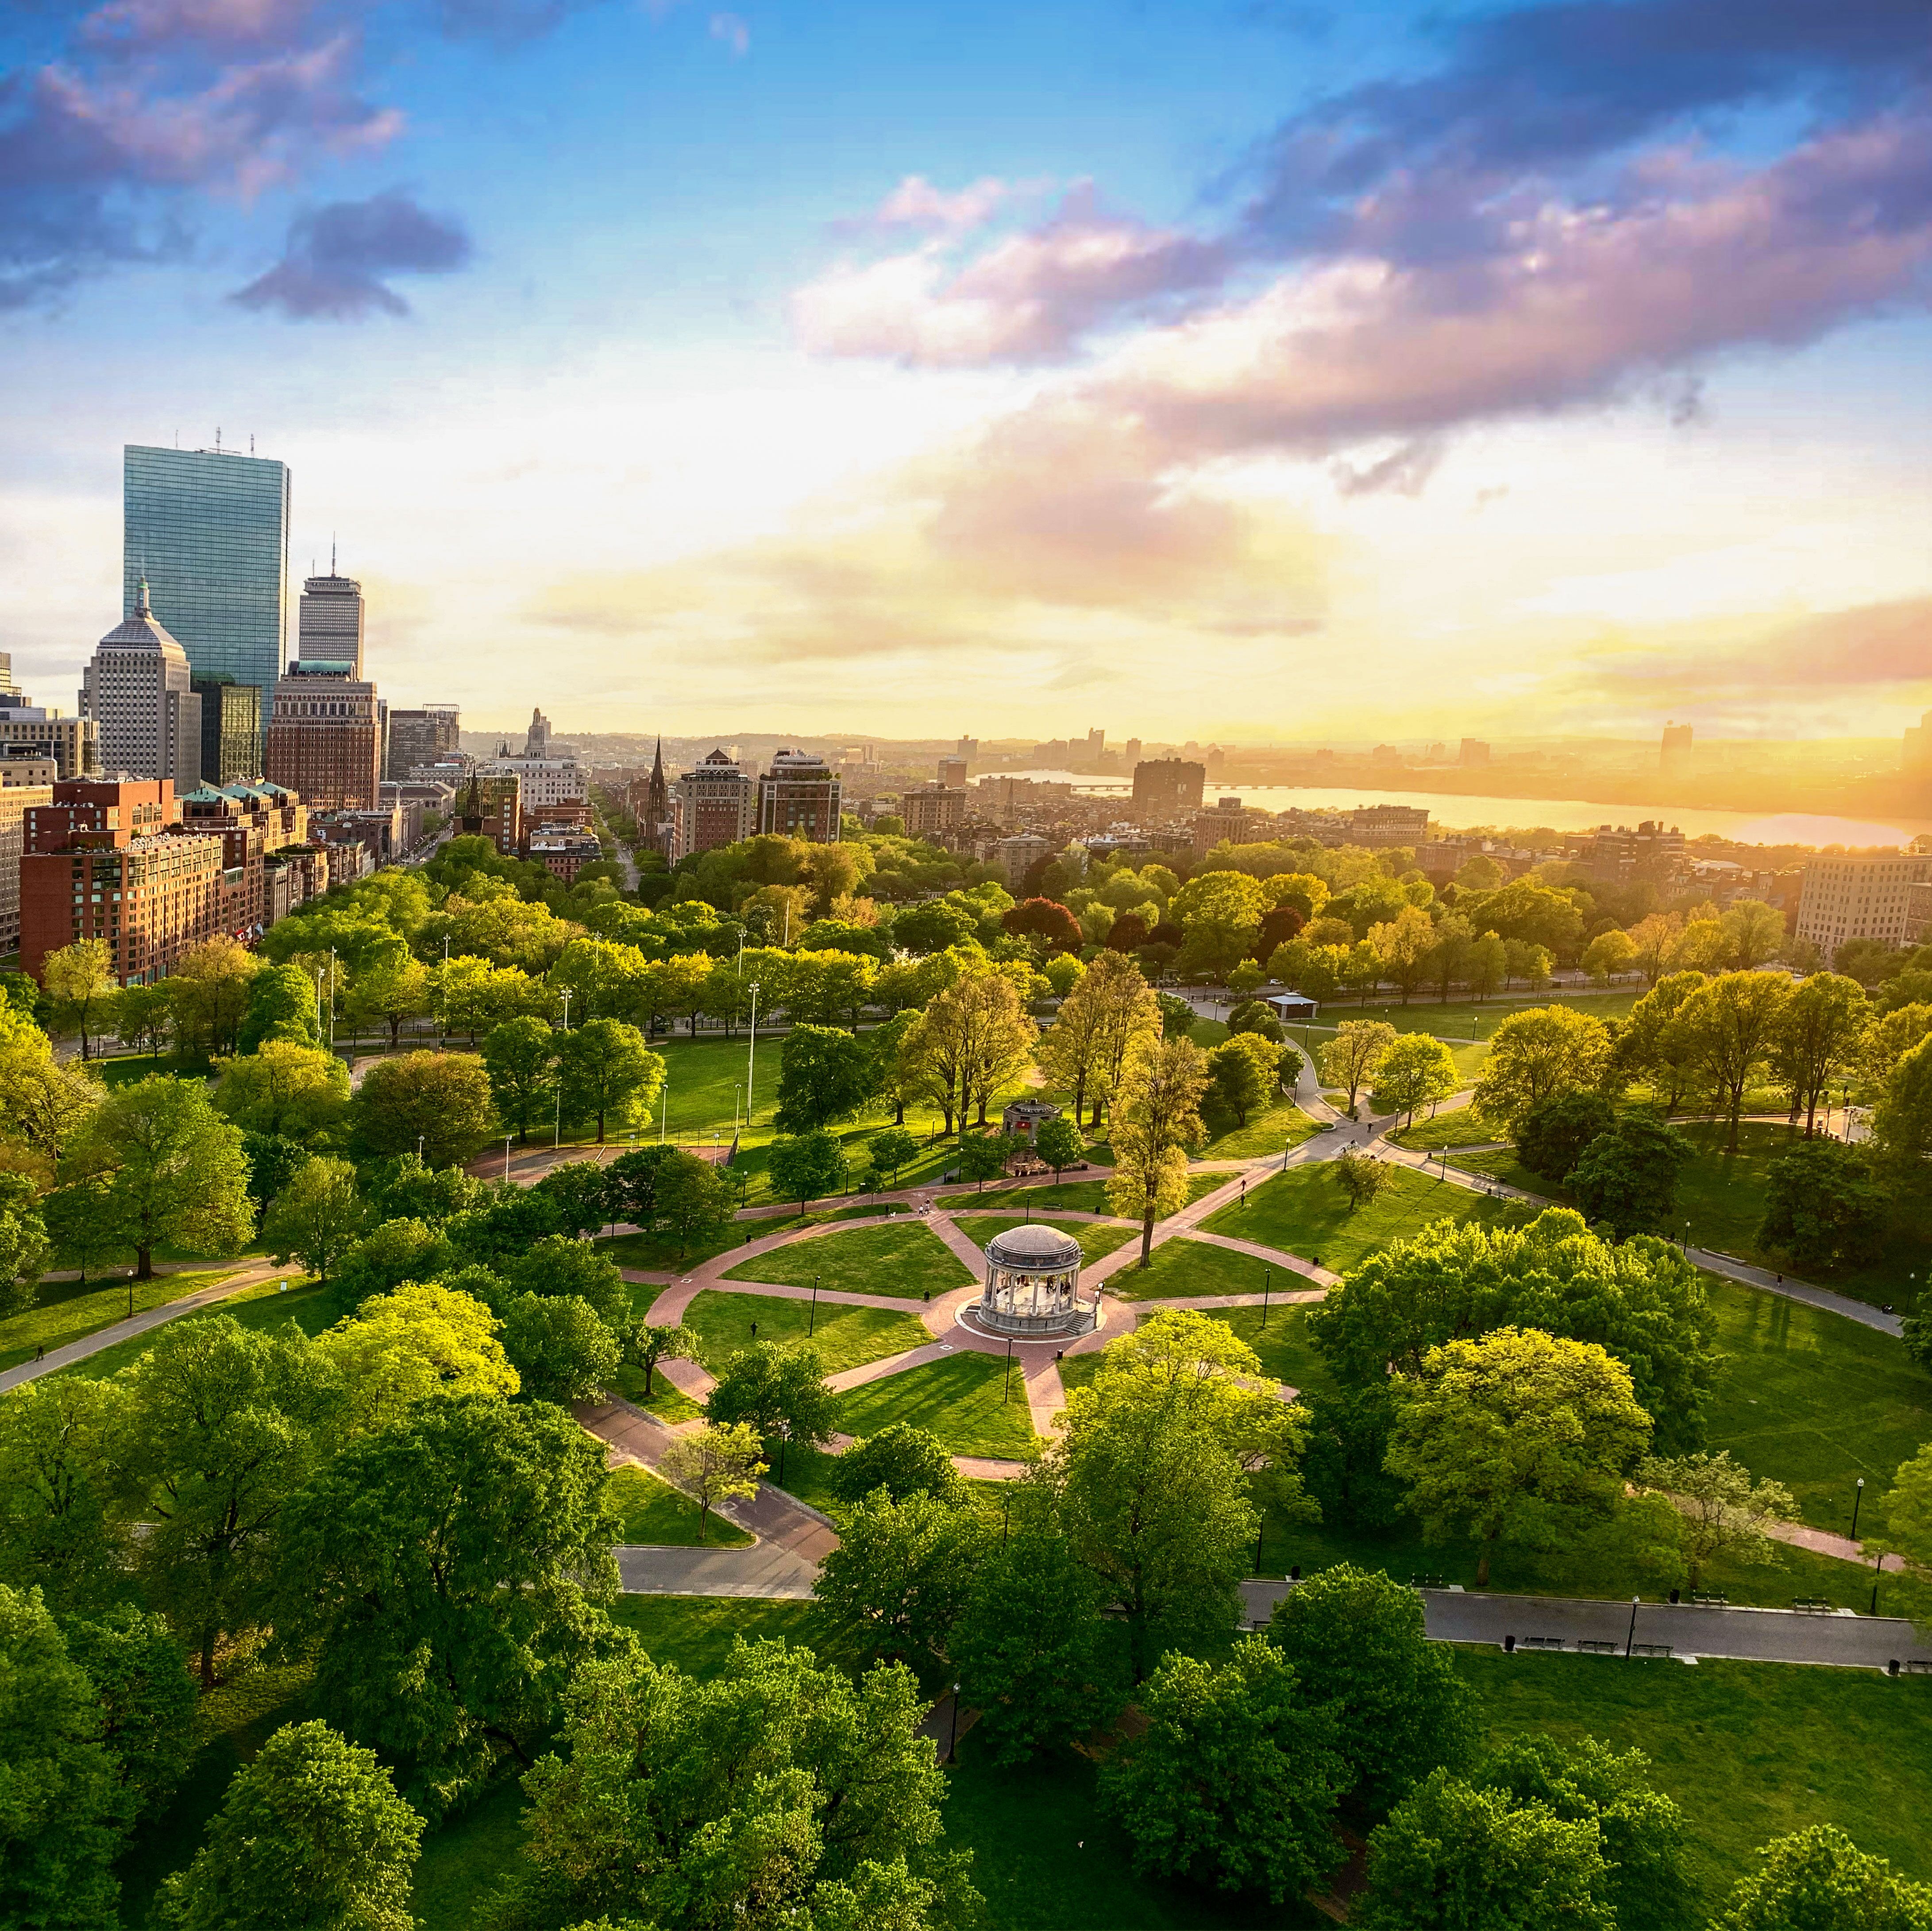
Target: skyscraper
(139, 690)
(422, 737)
(209, 529)
(231, 730)
(329, 629)
(324, 741)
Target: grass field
(844, 1336)
(1269, 1130)
(904, 1261)
(1749, 1751)
(1305, 1211)
(1083, 1197)
(656, 1253)
(311, 1306)
(69, 1311)
(666, 1401)
(1097, 1238)
(957, 1399)
(1464, 1126)
(652, 1511)
(1181, 1268)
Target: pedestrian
(40, 1352)
(755, 1330)
(927, 1296)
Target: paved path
(1755, 1635)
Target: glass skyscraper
(210, 531)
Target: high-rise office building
(324, 743)
(1674, 760)
(715, 804)
(799, 797)
(231, 730)
(422, 737)
(330, 626)
(139, 690)
(1169, 785)
(209, 530)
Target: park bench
(1542, 1642)
(1918, 1666)
(1650, 1649)
(1711, 1599)
(1811, 1605)
(1427, 1582)
(1597, 1649)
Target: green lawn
(1305, 1211)
(666, 1401)
(652, 1511)
(1208, 1033)
(657, 1254)
(904, 1261)
(311, 1306)
(844, 1336)
(1084, 1197)
(1463, 1126)
(69, 1311)
(1270, 1130)
(1097, 1238)
(1282, 1346)
(957, 1399)
(1182, 1268)
(1749, 1751)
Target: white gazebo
(1033, 1284)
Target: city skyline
(1291, 347)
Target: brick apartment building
(325, 739)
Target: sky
(1247, 370)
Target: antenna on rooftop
(217, 437)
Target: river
(1454, 809)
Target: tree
(1487, 966)
(581, 1191)
(61, 1531)
(1058, 1142)
(144, 1014)
(692, 1201)
(1538, 1056)
(311, 1832)
(1551, 1135)
(1823, 1205)
(168, 1168)
(1363, 1177)
(563, 1350)
(146, 1696)
(286, 1088)
(1627, 1177)
(1356, 1640)
(211, 983)
(608, 1073)
(1256, 1016)
(66, 1809)
(1157, 1118)
(1109, 1008)
(972, 1039)
(1417, 1070)
(983, 1157)
(437, 1103)
(822, 1809)
(892, 1079)
(1818, 1879)
(718, 1463)
(317, 1215)
(387, 992)
(1817, 1039)
(1727, 1027)
(900, 1459)
(558, 1264)
(1242, 1070)
(406, 1188)
(826, 1074)
(1045, 921)
(892, 1150)
(1452, 1854)
(78, 980)
(1234, 1781)
(806, 1168)
(1351, 1059)
(420, 1341)
(520, 1056)
(24, 1248)
(1725, 1512)
(1902, 1121)
(285, 1004)
(225, 1424)
(1220, 913)
(898, 1580)
(643, 1346)
(781, 1391)
(1178, 1018)
(444, 1575)
(1514, 1437)
(1403, 946)
(41, 1100)
(1608, 955)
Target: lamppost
(1632, 1637)
(420, 1139)
(952, 1741)
(1878, 1564)
(1260, 1529)
(566, 1009)
(752, 1062)
(812, 1324)
(664, 1110)
(506, 1157)
(1858, 1496)
(1006, 1510)
(1267, 1275)
(1006, 1386)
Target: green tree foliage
(1627, 1177)
(1727, 1029)
(1348, 1442)
(1356, 1640)
(1550, 1137)
(506, 1223)
(562, 1348)
(24, 1248)
(318, 1215)
(898, 1582)
(210, 984)
(903, 1460)
(714, 1464)
(421, 1341)
(1416, 1071)
(580, 1190)
(1902, 1121)
(1538, 1056)
(1257, 1016)
(520, 1056)
(78, 984)
(225, 1423)
(779, 1391)
(1823, 1205)
(272, 1160)
(1352, 1058)
(778, 1791)
(445, 1575)
(386, 992)
(983, 1157)
(408, 1188)
(146, 1696)
(557, 1264)
(310, 1832)
(1234, 1781)
(806, 1167)
(283, 1004)
(60, 1530)
(1818, 1879)
(1724, 1512)
(1243, 1070)
(168, 1168)
(1518, 1436)
(435, 1103)
(1642, 1300)
(394, 1252)
(1818, 1038)
(1156, 1118)
(285, 1087)
(1362, 1176)
(892, 1151)
(645, 1346)
(609, 1074)
(42, 1101)
(826, 1074)
(65, 1806)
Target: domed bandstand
(1032, 1285)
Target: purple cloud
(337, 259)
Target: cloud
(1404, 471)
(733, 31)
(338, 256)
(1027, 297)
(144, 25)
(916, 203)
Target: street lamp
(506, 1156)
(752, 1062)
(1267, 1275)
(1632, 1637)
(811, 1324)
(1006, 1386)
(1858, 1496)
(952, 1741)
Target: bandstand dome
(1032, 1281)
(1031, 1244)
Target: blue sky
(1251, 371)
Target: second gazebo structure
(1033, 1284)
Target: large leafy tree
(41, 1100)
(285, 1087)
(1550, 1137)
(1415, 1071)
(557, 1264)
(1156, 1118)
(436, 1104)
(780, 1392)
(778, 1791)
(60, 1530)
(717, 1463)
(900, 1459)
(146, 1696)
(609, 1073)
(1823, 1205)
(1727, 1029)
(79, 982)
(520, 1058)
(318, 1215)
(1628, 1175)
(1817, 1039)
(421, 1340)
(65, 1807)
(1244, 1073)
(1352, 1059)
(582, 1192)
(971, 1040)
(563, 1350)
(225, 1424)
(1357, 1641)
(898, 1582)
(1724, 1511)
(284, 1003)
(1902, 1121)
(1518, 1436)
(1537, 1055)
(807, 1167)
(310, 1832)
(167, 1168)
(210, 985)
(24, 1248)
(445, 1575)
(1234, 1781)
(1818, 1879)
(825, 1074)
(386, 992)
